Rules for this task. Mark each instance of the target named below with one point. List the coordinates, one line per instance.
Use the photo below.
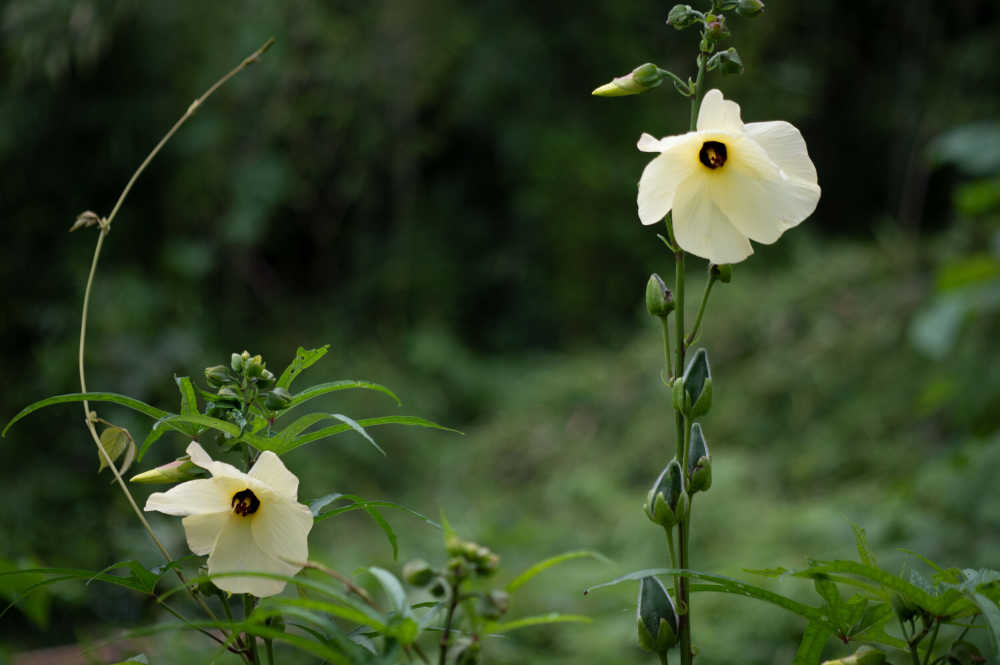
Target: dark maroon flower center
(713, 154)
(245, 503)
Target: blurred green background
(428, 186)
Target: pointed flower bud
(683, 16)
(494, 604)
(278, 399)
(667, 502)
(699, 462)
(641, 79)
(750, 8)
(659, 299)
(715, 27)
(217, 376)
(697, 382)
(237, 360)
(656, 617)
(727, 62)
(180, 470)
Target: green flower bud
(656, 617)
(488, 565)
(659, 299)
(715, 27)
(667, 502)
(418, 572)
(237, 360)
(643, 78)
(750, 8)
(226, 395)
(179, 470)
(217, 376)
(278, 399)
(698, 385)
(723, 273)
(726, 5)
(439, 589)
(266, 380)
(255, 367)
(865, 655)
(458, 567)
(494, 604)
(699, 462)
(727, 62)
(683, 16)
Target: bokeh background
(428, 186)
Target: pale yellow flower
(244, 522)
(728, 183)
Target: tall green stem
(684, 526)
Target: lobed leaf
(304, 358)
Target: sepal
(656, 617)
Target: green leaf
(728, 585)
(392, 587)
(281, 447)
(287, 435)
(189, 400)
(389, 533)
(882, 578)
(304, 358)
(115, 441)
(540, 620)
(176, 422)
(830, 594)
(864, 553)
(552, 561)
(333, 609)
(115, 398)
(359, 504)
(324, 388)
(813, 642)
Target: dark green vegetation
(429, 187)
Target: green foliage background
(428, 186)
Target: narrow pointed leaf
(324, 388)
(114, 398)
(540, 620)
(811, 647)
(189, 399)
(864, 552)
(541, 566)
(359, 504)
(392, 586)
(281, 447)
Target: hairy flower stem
(105, 227)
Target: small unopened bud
(659, 299)
(237, 360)
(667, 502)
(699, 462)
(179, 470)
(418, 572)
(458, 567)
(217, 376)
(494, 604)
(439, 589)
(727, 62)
(715, 27)
(254, 366)
(226, 395)
(683, 16)
(865, 655)
(697, 386)
(641, 79)
(723, 273)
(656, 617)
(750, 8)
(278, 399)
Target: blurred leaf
(540, 620)
(345, 612)
(114, 398)
(973, 148)
(392, 587)
(864, 552)
(283, 446)
(553, 561)
(814, 640)
(359, 504)
(115, 441)
(304, 358)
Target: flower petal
(270, 470)
(659, 180)
(757, 198)
(236, 551)
(718, 114)
(218, 469)
(203, 530)
(281, 528)
(700, 226)
(195, 497)
(785, 146)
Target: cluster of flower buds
(241, 383)
(468, 555)
(656, 617)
